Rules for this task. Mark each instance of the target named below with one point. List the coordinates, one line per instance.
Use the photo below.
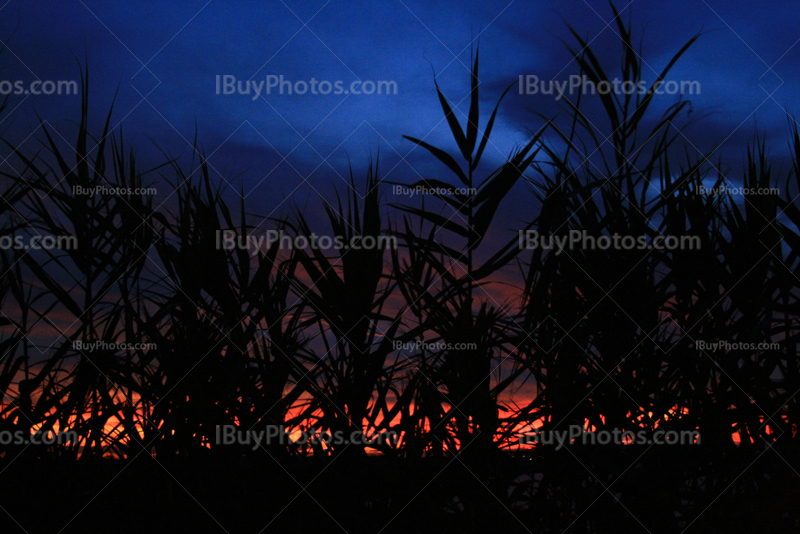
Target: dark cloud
(185, 48)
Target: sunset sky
(189, 302)
(296, 146)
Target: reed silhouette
(307, 338)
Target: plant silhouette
(308, 339)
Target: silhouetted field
(606, 338)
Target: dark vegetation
(304, 339)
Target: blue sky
(164, 59)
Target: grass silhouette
(307, 339)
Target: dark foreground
(658, 491)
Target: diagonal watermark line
(144, 65)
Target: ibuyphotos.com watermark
(91, 346)
(231, 240)
(38, 242)
(49, 437)
(104, 190)
(725, 190)
(531, 84)
(228, 84)
(580, 239)
(435, 346)
(727, 346)
(277, 435)
(402, 190)
(617, 436)
(38, 87)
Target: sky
(165, 61)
